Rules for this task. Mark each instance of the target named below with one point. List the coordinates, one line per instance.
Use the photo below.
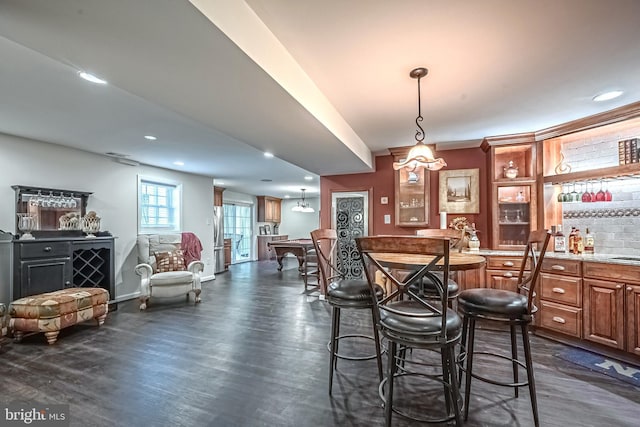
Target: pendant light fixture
(420, 154)
(303, 206)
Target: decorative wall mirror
(48, 209)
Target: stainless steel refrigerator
(218, 238)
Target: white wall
(299, 224)
(114, 186)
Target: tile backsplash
(615, 225)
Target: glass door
(238, 226)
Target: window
(238, 226)
(159, 203)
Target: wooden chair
(310, 268)
(344, 293)
(415, 322)
(512, 308)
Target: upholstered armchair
(162, 268)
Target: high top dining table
(458, 261)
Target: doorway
(238, 227)
(350, 219)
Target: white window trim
(162, 181)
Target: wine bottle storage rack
(90, 268)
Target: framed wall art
(459, 191)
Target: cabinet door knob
(557, 267)
(47, 248)
(558, 290)
(507, 264)
(67, 284)
(629, 289)
(618, 286)
(558, 319)
(507, 274)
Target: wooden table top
(457, 260)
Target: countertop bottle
(559, 241)
(578, 241)
(589, 243)
(572, 242)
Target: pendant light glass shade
(420, 156)
(303, 206)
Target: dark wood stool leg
(391, 370)
(530, 379)
(334, 333)
(469, 366)
(376, 337)
(514, 356)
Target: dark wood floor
(253, 353)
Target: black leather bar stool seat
(352, 293)
(427, 288)
(414, 329)
(493, 302)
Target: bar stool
(415, 323)
(512, 308)
(344, 293)
(426, 287)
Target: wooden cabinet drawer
(502, 279)
(502, 263)
(561, 266)
(561, 318)
(613, 272)
(561, 289)
(45, 250)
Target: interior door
(238, 226)
(350, 219)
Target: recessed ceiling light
(287, 196)
(220, 183)
(91, 78)
(178, 163)
(268, 155)
(150, 137)
(607, 95)
(308, 178)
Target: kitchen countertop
(603, 258)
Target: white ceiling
(321, 84)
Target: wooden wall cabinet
(411, 193)
(269, 209)
(217, 196)
(513, 207)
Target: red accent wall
(381, 184)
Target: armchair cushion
(169, 261)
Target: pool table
(297, 247)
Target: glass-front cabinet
(512, 191)
(411, 194)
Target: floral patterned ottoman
(52, 311)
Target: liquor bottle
(578, 242)
(589, 243)
(572, 236)
(559, 242)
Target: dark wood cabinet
(264, 253)
(632, 312)
(269, 209)
(227, 253)
(560, 296)
(46, 265)
(604, 312)
(217, 196)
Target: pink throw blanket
(191, 248)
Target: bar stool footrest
(347, 357)
(463, 355)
